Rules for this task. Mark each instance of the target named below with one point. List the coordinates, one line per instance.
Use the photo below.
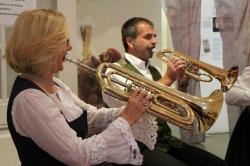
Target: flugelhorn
(226, 77)
(168, 104)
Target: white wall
(106, 18)
(69, 74)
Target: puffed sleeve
(98, 119)
(144, 130)
(239, 94)
(37, 117)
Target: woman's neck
(45, 80)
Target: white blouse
(239, 94)
(145, 129)
(39, 117)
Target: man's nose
(154, 40)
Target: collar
(136, 62)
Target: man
(139, 39)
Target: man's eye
(148, 37)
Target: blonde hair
(36, 39)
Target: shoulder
(31, 98)
(122, 62)
(246, 70)
(61, 84)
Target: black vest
(29, 153)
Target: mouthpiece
(77, 63)
(154, 50)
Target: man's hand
(174, 71)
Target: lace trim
(144, 130)
(98, 147)
(135, 156)
(114, 114)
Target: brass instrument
(226, 77)
(168, 104)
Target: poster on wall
(10, 9)
(211, 52)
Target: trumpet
(226, 77)
(168, 104)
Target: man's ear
(130, 42)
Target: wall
(106, 18)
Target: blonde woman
(48, 123)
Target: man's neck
(132, 57)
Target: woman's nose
(69, 47)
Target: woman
(48, 123)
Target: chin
(59, 69)
(150, 56)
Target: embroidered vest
(164, 138)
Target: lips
(152, 49)
(64, 57)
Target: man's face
(145, 41)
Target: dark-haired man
(139, 39)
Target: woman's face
(58, 65)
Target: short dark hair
(129, 29)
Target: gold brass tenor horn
(226, 77)
(168, 104)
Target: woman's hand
(138, 103)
